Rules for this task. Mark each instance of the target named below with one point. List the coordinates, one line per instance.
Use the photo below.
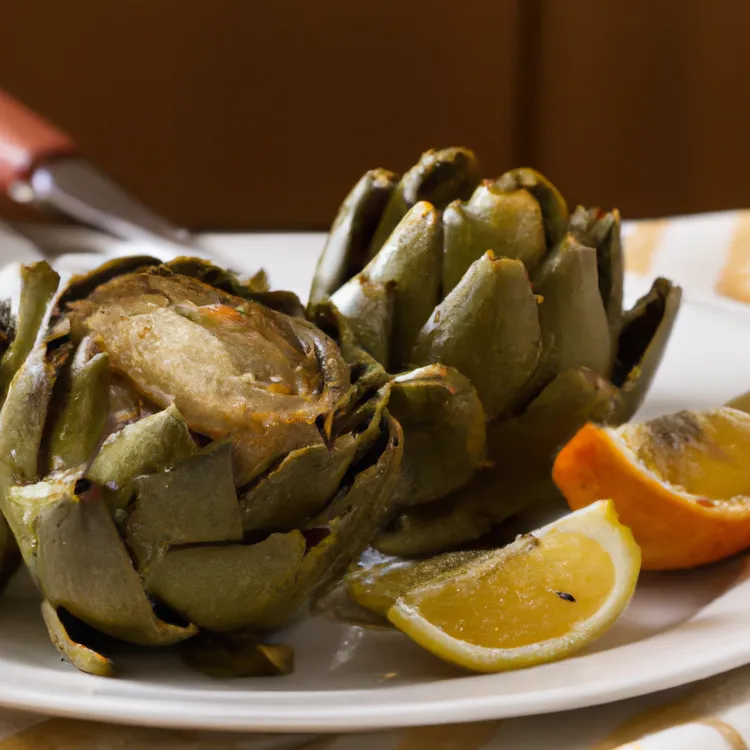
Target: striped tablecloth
(709, 255)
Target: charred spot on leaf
(638, 332)
(167, 614)
(314, 536)
(566, 597)
(82, 486)
(200, 440)
(79, 632)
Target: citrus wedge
(680, 482)
(539, 599)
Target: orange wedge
(681, 483)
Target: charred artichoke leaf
(238, 369)
(409, 266)
(553, 205)
(254, 288)
(77, 427)
(26, 404)
(444, 432)
(439, 177)
(345, 252)
(285, 498)
(436, 527)
(601, 230)
(227, 587)
(369, 306)
(227, 656)
(193, 502)
(82, 285)
(356, 514)
(521, 452)
(80, 656)
(643, 339)
(83, 566)
(367, 374)
(488, 329)
(575, 328)
(154, 443)
(38, 285)
(508, 223)
(523, 449)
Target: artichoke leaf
(292, 493)
(553, 205)
(360, 510)
(227, 587)
(345, 252)
(521, 452)
(27, 404)
(194, 502)
(38, 285)
(82, 285)
(78, 426)
(144, 447)
(488, 329)
(409, 263)
(366, 372)
(227, 656)
(368, 307)
(80, 656)
(508, 223)
(255, 288)
(643, 339)
(83, 566)
(439, 177)
(444, 432)
(575, 328)
(601, 230)
(432, 528)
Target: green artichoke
(499, 319)
(181, 452)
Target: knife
(39, 163)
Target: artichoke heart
(193, 458)
(518, 319)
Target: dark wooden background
(239, 114)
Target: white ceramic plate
(680, 627)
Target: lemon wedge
(539, 599)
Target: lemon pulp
(702, 454)
(533, 597)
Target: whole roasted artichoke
(182, 451)
(499, 318)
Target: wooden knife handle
(26, 140)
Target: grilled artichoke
(499, 318)
(182, 451)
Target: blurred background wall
(239, 114)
